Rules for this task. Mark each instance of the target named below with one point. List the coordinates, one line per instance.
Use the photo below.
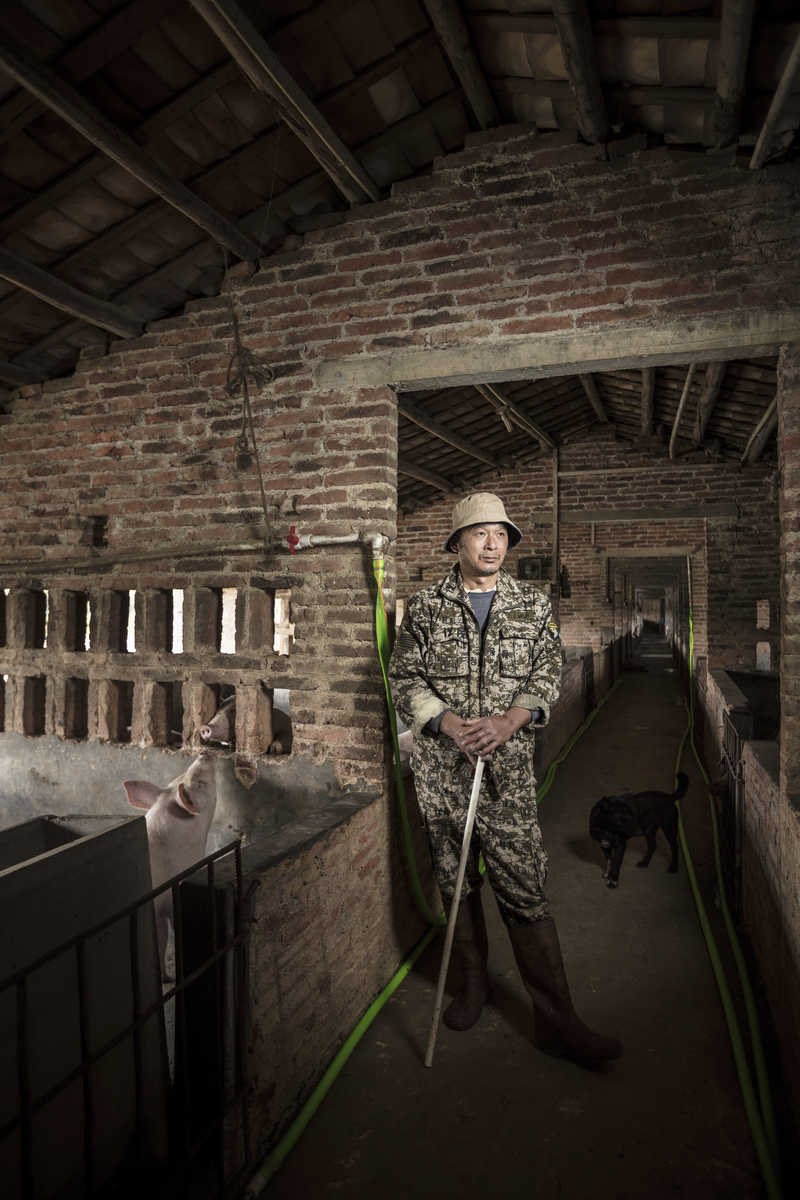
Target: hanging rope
(244, 365)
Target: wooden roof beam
(67, 298)
(590, 387)
(776, 107)
(627, 96)
(100, 45)
(449, 23)
(72, 108)
(184, 102)
(761, 434)
(425, 476)
(577, 45)
(267, 75)
(430, 425)
(681, 406)
(736, 28)
(511, 415)
(648, 399)
(670, 26)
(715, 373)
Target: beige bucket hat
(477, 508)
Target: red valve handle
(292, 539)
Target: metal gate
(177, 1065)
(729, 800)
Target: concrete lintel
(647, 551)
(711, 339)
(604, 516)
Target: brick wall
(155, 456)
(789, 450)
(771, 902)
(331, 924)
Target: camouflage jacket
(440, 660)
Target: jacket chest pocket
(517, 652)
(448, 657)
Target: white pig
(222, 727)
(178, 820)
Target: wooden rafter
(98, 48)
(418, 415)
(157, 124)
(267, 75)
(715, 373)
(143, 217)
(631, 96)
(648, 397)
(685, 28)
(761, 434)
(511, 415)
(590, 387)
(449, 23)
(734, 46)
(681, 406)
(424, 475)
(577, 45)
(72, 108)
(69, 299)
(776, 107)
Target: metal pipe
(378, 541)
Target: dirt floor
(493, 1117)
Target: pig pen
(292, 804)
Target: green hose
(262, 1177)
(382, 637)
(766, 1143)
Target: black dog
(614, 819)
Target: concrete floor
(494, 1117)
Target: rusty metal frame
(187, 1142)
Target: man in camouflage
(475, 670)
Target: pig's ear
(185, 800)
(140, 793)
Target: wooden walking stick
(451, 922)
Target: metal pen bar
(88, 1105)
(136, 1033)
(219, 997)
(25, 1107)
(181, 1046)
(117, 916)
(45, 1097)
(451, 922)
(240, 959)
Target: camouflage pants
(506, 830)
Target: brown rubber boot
(558, 1030)
(470, 951)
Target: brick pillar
(254, 623)
(789, 509)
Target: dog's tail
(683, 786)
